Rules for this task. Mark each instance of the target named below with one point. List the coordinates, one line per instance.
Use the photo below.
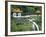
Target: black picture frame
(6, 18)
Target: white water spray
(34, 24)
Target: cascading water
(34, 24)
(31, 20)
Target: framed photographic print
(24, 18)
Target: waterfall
(34, 24)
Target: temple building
(17, 12)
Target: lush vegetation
(28, 10)
(22, 24)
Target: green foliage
(24, 25)
(20, 26)
(38, 20)
(27, 9)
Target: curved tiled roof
(17, 10)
